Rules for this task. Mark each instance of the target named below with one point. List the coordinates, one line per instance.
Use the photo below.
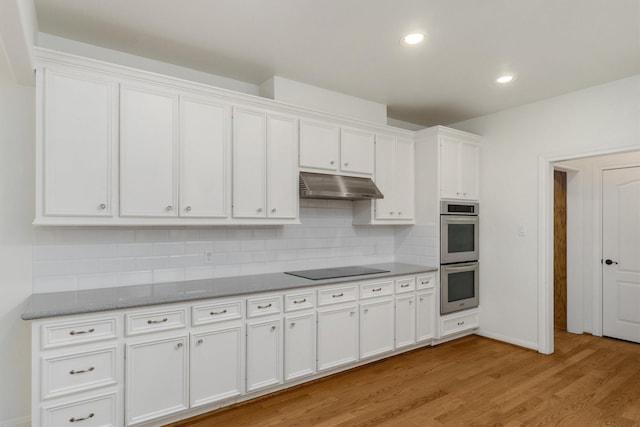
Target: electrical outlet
(208, 257)
(522, 230)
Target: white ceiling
(353, 46)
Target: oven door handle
(463, 268)
(469, 219)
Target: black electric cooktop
(332, 273)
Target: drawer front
(405, 285)
(378, 289)
(214, 313)
(78, 332)
(459, 323)
(95, 412)
(154, 321)
(426, 282)
(337, 295)
(78, 372)
(263, 306)
(299, 301)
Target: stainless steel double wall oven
(459, 254)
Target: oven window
(461, 238)
(461, 285)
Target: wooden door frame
(545, 241)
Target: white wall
(598, 118)
(586, 258)
(17, 134)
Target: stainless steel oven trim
(447, 307)
(449, 258)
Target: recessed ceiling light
(413, 38)
(506, 78)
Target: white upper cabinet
(204, 157)
(327, 148)
(78, 117)
(394, 176)
(459, 170)
(265, 171)
(356, 151)
(148, 134)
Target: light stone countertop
(55, 304)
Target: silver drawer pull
(213, 313)
(406, 285)
(264, 306)
(75, 420)
(376, 290)
(461, 323)
(300, 301)
(74, 372)
(152, 322)
(341, 294)
(82, 332)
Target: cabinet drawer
(337, 295)
(405, 285)
(459, 322)
(78, 332)
(299, 301)
(155, 321)
(426, 282)
(263, 306)
(217, 312)
(78, 372)
(378, 289)
(95, 412)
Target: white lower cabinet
(99, 411)
(425, 315)
(405, 320)
(299, 345)
(337, 336)
(376, 327)
(156, 378)
(216, 364)
(264, 353)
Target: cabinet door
(156, 380)
(425, 315)
(405, 321)
(216, 365)
(249, 163)
(385, 176)
(404, 192)
(147, 151)
(469, 171)
(79, 135)
(299, 346)
(337, 337)
(264, 354)
(319, 145)
(376, 327)
(449, 168)
(282, 167)
(356, 151)
(204, 155)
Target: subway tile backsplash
(68, 258)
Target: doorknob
(609, 262)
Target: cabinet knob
(273, 328)
(188, 209)
(352, 313)
(346, 163)
(391, 213)
(292, 324)
(410, 301)
(421, 299)
(464, 194)
(200, 341)
(102, 206)
(332, 162)
(458, 193)
(273, 210)
(179, 345)
(366, 310)
(259, 210)
(400, 213)
(169, 208)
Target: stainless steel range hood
(324, 186)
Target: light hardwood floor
(473, 381)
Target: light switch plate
(522, 230)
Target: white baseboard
(16, 422)
(510, 340)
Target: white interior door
(621, 253)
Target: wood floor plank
(473, 381)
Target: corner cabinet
(395, 177)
